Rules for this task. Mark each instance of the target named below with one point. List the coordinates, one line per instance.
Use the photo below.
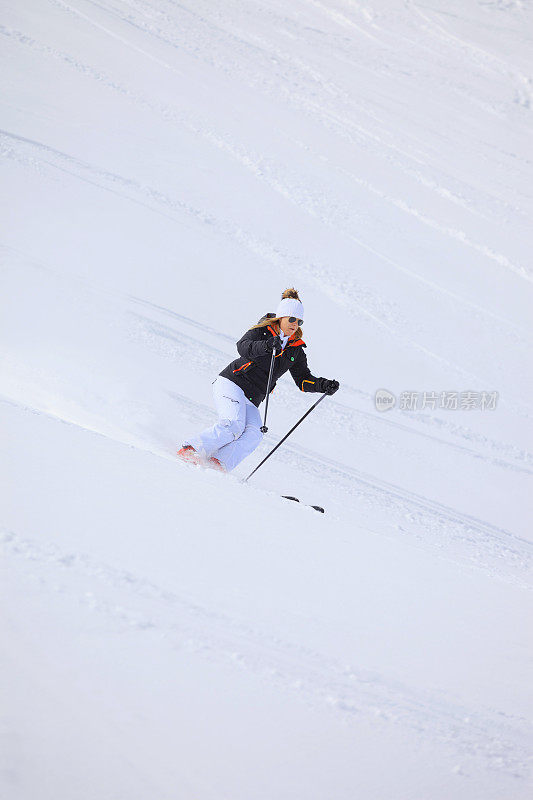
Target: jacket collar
(292, 341)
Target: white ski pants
(237, 432)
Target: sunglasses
(295, 319)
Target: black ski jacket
(250, 371)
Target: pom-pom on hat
(290, 305)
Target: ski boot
(188, 453)
(214, 463)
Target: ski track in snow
(320, 206)
(175, 115)
(276, 181)
(485, 738)
(477, 55)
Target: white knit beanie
(290, 307)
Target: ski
(317, 508)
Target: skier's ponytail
(290, 294)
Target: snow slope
(168, 168)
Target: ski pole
(285, 437)
(264, 428)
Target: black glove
(328, 386)
(274, 343)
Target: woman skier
(242, 386)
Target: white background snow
(168, 168)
